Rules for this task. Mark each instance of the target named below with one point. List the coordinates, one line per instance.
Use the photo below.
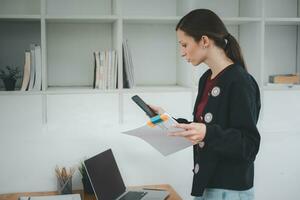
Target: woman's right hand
(157, 109)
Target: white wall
(278, 164)
(82, 125)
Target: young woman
(224, 132)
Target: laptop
(108, 184)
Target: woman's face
(192, 51)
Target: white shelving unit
(70, 30)
(281, 41)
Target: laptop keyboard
(133, 195)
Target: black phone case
(143, 106)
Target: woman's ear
(204, 42)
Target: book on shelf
(285, 79)
(101, 70)
(105, 69)
(96, 69)
(128, 72)
(32, 67)
(26, 71)
(115, 69)
(38, 68)
(131, 69)
(125, 75)
(109, 69)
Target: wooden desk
(14, 196)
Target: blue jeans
(221, 194)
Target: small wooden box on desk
(14, 196)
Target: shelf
(142, 89)
(240, 20)
(82, 18)
(282, 21)
(175, 19)
(151, 20)
(20, 17)
(281, 134)
(18, 92)
(77, 90)
(281, 87)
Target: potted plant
(87, 186)
(9, 76)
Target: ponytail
(233, 50)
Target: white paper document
(52, 197)
(157, 137)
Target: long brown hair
(201, 22)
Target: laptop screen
(105, 176)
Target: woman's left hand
(194, 132)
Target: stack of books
(105, 70)
(32, 73)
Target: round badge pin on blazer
(215, 91)
(196, 169)
(208, 117)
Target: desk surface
(14, 196)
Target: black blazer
(226, 158)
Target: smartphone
(143, 106)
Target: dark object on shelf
(9, 76)
(9, 84)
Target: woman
(224, 132)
